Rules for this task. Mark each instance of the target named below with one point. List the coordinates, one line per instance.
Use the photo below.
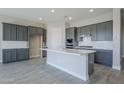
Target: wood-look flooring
(36, 71)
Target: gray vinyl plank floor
(36, 71)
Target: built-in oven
(69, 43)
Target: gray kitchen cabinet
(25, 33)
(104, 57)
(104, 31)
(13, 32)
(6, 55)
(70, 33)
(109, 31)
(9, 55)
(71, 37)
(13, 55)
(44, 37)
(93, 32)
(101, 32)
(6, 31)
(67, 33)
(78, 33)
(82, 31)
(20, 33)
(85, 31)
(22, 54)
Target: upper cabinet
(70, 33)
(44, 37)
(85, 30)
(9, 32)
(99, 32)
(12, 32)
(93, 32)
(109, 31)
(22, 33)
(104, 31)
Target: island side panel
(76, 65)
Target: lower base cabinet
(104, 57)
(22, 54)
(12, 55)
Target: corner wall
(56, 35)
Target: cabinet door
(22, 54)
(20, 33)
(78, 33)
(25, 33)
(93, 32)
(13, 32)
(13, 55)
(107, 58)
(6, 31)
(6, 55)
(85, 30)
(67, 34)
(26, 53)
(101, 32)
(109, 31)
(44, 37)
(72, 32)
(104, 57)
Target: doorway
(35, 43)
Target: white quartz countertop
(71, 51)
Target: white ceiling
(33, 14)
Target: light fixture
(52, 11)
(70, 18)
(91, 10)
(40, 18)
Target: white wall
(56, 35)
(14, 44)
(18, 21)
(116, 39)
(94, 20)
(1, 36)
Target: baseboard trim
(69, 72)
(34, 56)
(116, 67)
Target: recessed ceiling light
(70, 18)
(91, 10)
(41, 18)
(52, 11)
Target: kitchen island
(79, 63)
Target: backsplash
(108, 45)
(96, 44)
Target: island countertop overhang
(71, 51)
